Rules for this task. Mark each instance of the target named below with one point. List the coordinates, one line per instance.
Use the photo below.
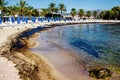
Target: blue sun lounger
(33, 19)
(12, 19)
(18, 20)
(26, 19)
(0, 20)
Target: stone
(100, 73)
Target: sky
(78, 4)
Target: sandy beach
(7, 68)
(7, 36)
(59, 40)
(28, 63)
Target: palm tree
(116, 11)
(73, 12)
(110, 14)
(3, 7)
(22, 7)
(12, 10)
(95, 14)
(52, 8)
(56, 10)
(81, 12)
(35, 13)
(62, 8)
(88, 14)
(102, 14)
(29, 12)
(44, 11)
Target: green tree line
(113, 14)
(23, 9)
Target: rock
(100, 73)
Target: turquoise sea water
(91, 41)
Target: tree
(73, 12)
(12, 10)
(116, 11)
(95, 14)
(88, 14)
(22, 7)
(56, 10)
(44, 12)
(109, 14)
(62, 8)
(52, 8)
(81, 12)
(102, 14)
(35, 13)
(29, 11)
(3, 6)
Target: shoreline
(62, 60)
(49, 50)
(8, 37)
(27, 63)
(11, 37)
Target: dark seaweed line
(27, 33)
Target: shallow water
(100, 42)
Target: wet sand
(30, 65)
(61, 59)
